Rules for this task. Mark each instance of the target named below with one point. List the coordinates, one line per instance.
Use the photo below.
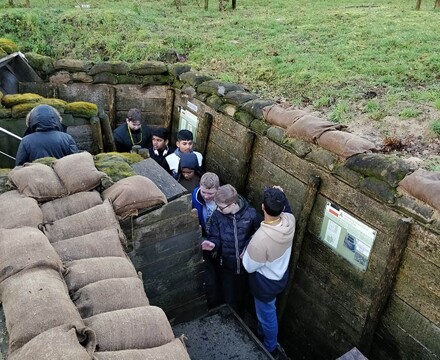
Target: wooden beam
(312, 190)
(169, 105)
(380, 298)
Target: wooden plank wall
(413, 314)
(169, 258)
(332, 306)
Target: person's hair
(134, 115)
(226, 194)
(274, 201)
(184, 135)
(162, 133)
(210, 180)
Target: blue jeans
(267, 321)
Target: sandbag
(175, 350)
(423, 185)
(97, 244)
(18, 210)
(25, 247)
(78, 172)
(109, 295)
(60, 343)
(310, 128)
(37, 181)
(36, 300)
(139, 328)
(86, 271)
(97, 218)
(130, 194)
(70, 205)
(280, 116)
(344, 143)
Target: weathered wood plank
(418, 285)
(371, 211)
(322, 340)
(340, 267)
(406, 333)
(190, 310)
(180, 290)
(164, 181)
(425, 243)
(385, 285)
(229, 127)
(169, 104)
(125, 92)
(153, 118)
(149, 234)
(342, 297)
(264, 173)
(301, 225)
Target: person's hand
(278, 187)
(208, 245)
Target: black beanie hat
(163, 133)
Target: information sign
(347, 236)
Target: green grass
(324, 53)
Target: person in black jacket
(46, 138)
(231, 229)
(160, 146)
(132, 132)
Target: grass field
(342, 58)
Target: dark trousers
(212, 280)
(235, 289)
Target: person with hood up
(46, 138)
(189, 172)
(266, 259)
(232, 226)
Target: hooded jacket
(46, 139)
(231, 233)
(267, 257)
(124, 142)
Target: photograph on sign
(347, 236)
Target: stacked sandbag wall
(78, 252)
(252, 142)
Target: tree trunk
(418, 4)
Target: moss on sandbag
(82, 109)
(11, 100)
(58, 104)
(4, 180)
(45, 161)
(40, 62)
(8, 46)
(117, 165)
(21, 110)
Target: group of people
(244, 253)
(182, 162)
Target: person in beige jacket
(266, 259)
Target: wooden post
(234, 4)
(169, 107)
(108, 134)
(312, 190)
(97, 134)
(437, 4)
(111, 106)
(203, 131)
(380, 298)
(248, 145)
(206, 4)
(418, 3)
